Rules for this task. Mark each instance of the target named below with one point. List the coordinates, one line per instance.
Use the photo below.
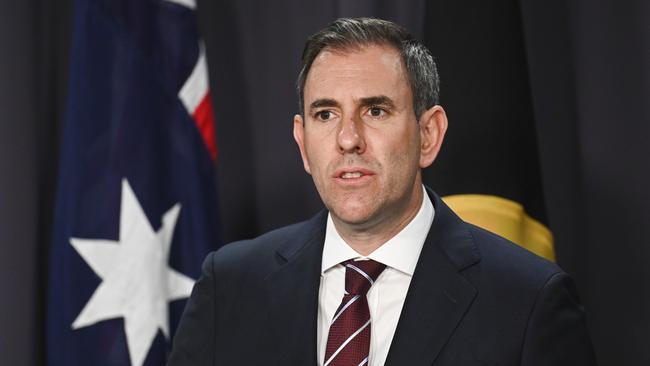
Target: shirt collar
(401, 252)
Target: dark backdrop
(547, 104)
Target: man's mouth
(350, 175)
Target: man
(388, 275)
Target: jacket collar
(293, 297)
(439, 295)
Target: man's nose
(351, 138)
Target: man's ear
(299, 136)
(433, 125)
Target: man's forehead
(368, 67)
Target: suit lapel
(292, 293)
(438, 295)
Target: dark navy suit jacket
(475, 299)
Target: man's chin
(353, 218)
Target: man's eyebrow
(377, 100)
(381, 100)
(320, 103)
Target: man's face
(360, 139)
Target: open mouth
(352, 173)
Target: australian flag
(136, 208)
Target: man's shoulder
(263, 253)
(477, 251)
(509, 263)
(268, 242)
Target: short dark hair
(350, 33)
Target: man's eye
(376, 111)
(324, 115)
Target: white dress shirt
(386, 297)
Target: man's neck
(365, 240)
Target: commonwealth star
(137, 282)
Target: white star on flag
(137, 282)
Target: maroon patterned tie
(348, 342)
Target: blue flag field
(136, 209)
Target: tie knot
(360, 275)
